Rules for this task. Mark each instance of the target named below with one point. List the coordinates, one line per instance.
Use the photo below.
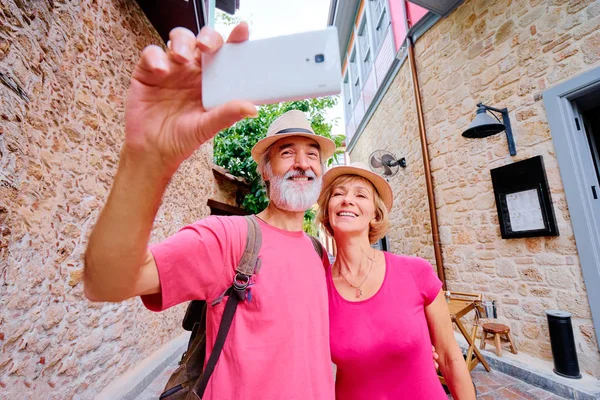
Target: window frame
(379, 28)
(366, 59)
(348, 103)
(355, 81)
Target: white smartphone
(283, 68)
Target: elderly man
(279, 343)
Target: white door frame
(559, 109)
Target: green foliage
(222, 17)
(233, 145)
(309, 226)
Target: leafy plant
(233, 145)
(226, 19)
(309, 225)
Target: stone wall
(394, 128)
(58, 154)
(504, 53)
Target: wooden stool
(499, 333)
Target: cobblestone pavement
(158, 384)
(495, 385)
(490, 386)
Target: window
(339, 159)
(354, 76)
(347, 97)
(382, 244)
(364, 47)
(380, 20)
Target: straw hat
(292, 123)
(357, 168)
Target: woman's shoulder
(405, 261)
(422, 272)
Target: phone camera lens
(319, 58)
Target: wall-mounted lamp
(483, 126)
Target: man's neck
(283, 219)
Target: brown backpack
(189, 381)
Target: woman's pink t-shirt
(381, 345)
(278, 345)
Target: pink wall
(415, 13)
(397, 17)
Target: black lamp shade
(483, 125)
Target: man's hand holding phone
(165, 122)
(165, 119)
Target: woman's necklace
(358, 289)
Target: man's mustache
(295, 173)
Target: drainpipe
(439, 262)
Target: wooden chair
(466, 296)
(500, 333)
(477, 298)
(473, 356)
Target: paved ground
(490, 386)
(495, 385)
(158, 384)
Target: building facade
(537, 58)
(65, 69)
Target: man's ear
(263, 174)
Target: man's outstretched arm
(165, 123)
(118, 264)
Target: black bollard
(563, 344)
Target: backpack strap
(317, 245)
(250, 263)
(227, 319)
(248, 266)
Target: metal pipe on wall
(426, 163)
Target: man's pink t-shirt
(381, 345)
(278, 345)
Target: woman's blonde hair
(377, 228)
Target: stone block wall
(504, 53)
(394, 128)
(58, 155)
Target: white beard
(292, 196)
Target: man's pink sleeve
(197, 262)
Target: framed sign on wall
(523, 199)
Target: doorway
(573, 110)
(382, 244)
(589, 109)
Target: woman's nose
(347, 200)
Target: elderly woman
(385, 310)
